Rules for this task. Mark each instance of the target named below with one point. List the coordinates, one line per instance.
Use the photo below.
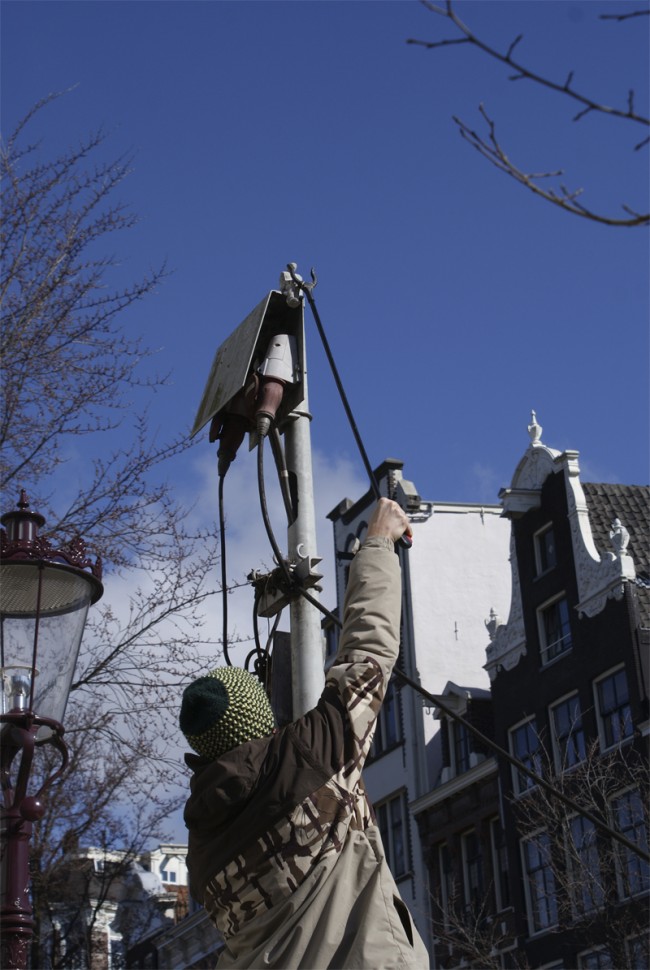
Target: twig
(493, 151)
(623, 16)
(522, 71)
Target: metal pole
(16, 916)
(19, 810)
(307, 655)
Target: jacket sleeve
(369, 643)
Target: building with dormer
(517, 876)
(105, 899)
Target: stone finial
(535, 430)
(619, 538)
(492, 625)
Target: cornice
(455, 785)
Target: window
(595, 960)
(628, 816)
(554, 629)
(568, 736)
(117, 955)
(613, 706)
(540, 883)
(545, 556)
(524, 745)
(499, 864)
(388, 730)
(391, 818)
(460, 734)
(472, 872)
(446, 886)
(638, 952)
(331, 642)
(584, 866)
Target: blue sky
(454, 300)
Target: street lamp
(45, 593)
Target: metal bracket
(298, 280)
(271, 588)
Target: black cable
(519, 765)
(256, 631)
(265, 515)
(274, 627)
(224, 582)
(405, 540)
(283, 473)
(306, 289)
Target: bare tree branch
(521, 69)
(490, 148)
(565, 199)
(623, 16)
(72, 380)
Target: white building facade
(455, 574)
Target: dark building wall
(599, 643)
(471, 810)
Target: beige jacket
(284, 850)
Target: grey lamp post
(45, 593)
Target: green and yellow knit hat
(223, 709)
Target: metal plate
(244, 349)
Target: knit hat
(223, 709)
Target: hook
(298, 280)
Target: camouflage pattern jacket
(284, 851)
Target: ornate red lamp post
(45, 593)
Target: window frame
(583, 963)
(637, 948)
(532, 904)
(390, 711)
(387, 828)
(540, 555)
(461, 740)
(628, 862)
(473, 871)
(605, 719)
(586, 848)
(533, 762)
(565, 624)
(500, 867)
(331, 634)
(563, 741)
(445, 872)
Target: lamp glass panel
(59, 639)
(65, 598)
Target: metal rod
(306, 289)
(405, 541)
